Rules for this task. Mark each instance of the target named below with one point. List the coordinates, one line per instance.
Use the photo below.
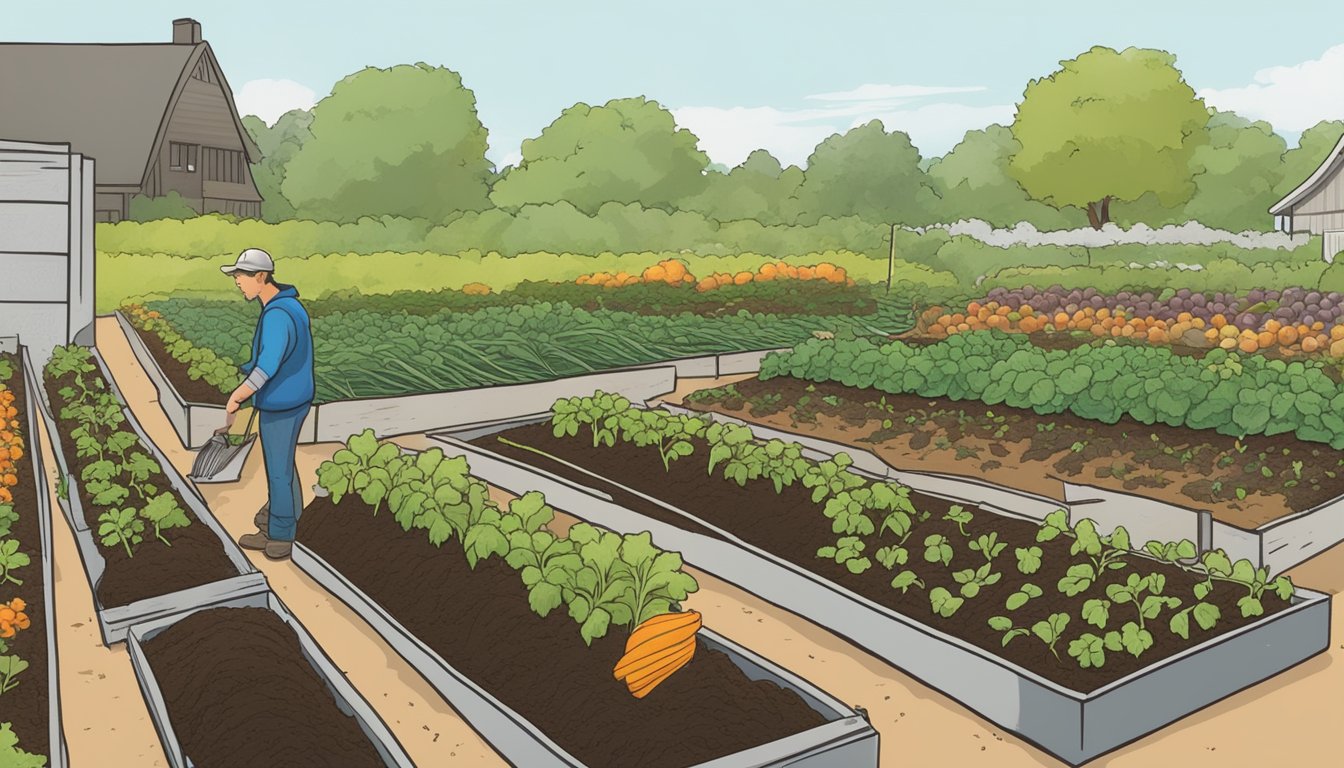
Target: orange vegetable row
(13, 618)
(11, 444)
(1288, 339)
(674, 272)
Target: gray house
(1317, 205)
(157, 118)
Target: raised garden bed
(30, 704)
(149, 545)
(550, 699)
(768, 544)
(1277, 500)
(243, 683)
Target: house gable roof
(109, 102)
(1334, 162)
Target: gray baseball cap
(251, 260)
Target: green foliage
(869, 173)
(848, 551)
(1236, 174)
(974, 183)
(625, 151)
(8, 517)
(937, 549)
(759, 189)
(1108, 125)
(1103, 382)
(595, 596)
(121, 526)
(11, 559)
(13, 757)
(169, 206)
(163, 512)
(278, 144)
(412, 129)
(944, 603)
(1025, 593)
(657, 582)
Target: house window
(224, 165)
(182, 157)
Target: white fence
(46, 246)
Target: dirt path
(1286, 721)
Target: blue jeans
(279, 444)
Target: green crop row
(1122, 592)
(1226, 392)
(602, 578)
(388, 352)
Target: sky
(782, 75)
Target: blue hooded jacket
(282, 350)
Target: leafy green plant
(673, 435)
(848, 551)
(1104, 554)
(899, 521)
(1024, 593)
(831, 477)
(656, 581)
(163, 512)
(937, 549)
(121, 526)
(8, 517)
(1217, 566)
(349, 469)
(1048, 630)
(972, 580)
(848, 513)
(944, 603)
(1028, 559)
(602, 413)
(10, 668)
(545, 562)
(959, 515)
(13, 757)
(595, 595)
(11, 559)
(906, 579)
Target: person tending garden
(280, 383)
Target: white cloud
(728, 135)
(1290, 98)
(883, 92)
(269, 99)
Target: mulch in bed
(239, 692)
(178, 373)
(26, 706)
(791, 526)
(196, 556)
(480, 623)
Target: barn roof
(109, 102)
(1332, 165)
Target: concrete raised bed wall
(387, 416)
(1074, 726)
(57, 756)
(348, 699)
(845, 741)
(114, 622)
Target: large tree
(404, 141)
(760, 189)
(625, 151)
(1109, 126)
(974, 183)
(1303, 160)
(869, 173)
(1236, 174)
(278, 144)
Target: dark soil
(479, 621)
(239, 692)
(1133, 455)
(195, 557)
(26, 705)
(178, 373)
(791, 526)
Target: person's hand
(232, 407)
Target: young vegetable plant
(1219, 567)
(959, 515)
(972, 580)
(831, 477)
(11, 559)
(602, 413)
(163, 513)
(848, 551)
(937, 549)
(1106, 553)
(8, 517)
(1134, 637)
(672, 435)
(11, 756)
(656, 581)
(944, 603)
(121, 526)
(595, 595)
(350, 469)
(1028, 559)
(1024, 593)
(1048, 630)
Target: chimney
(186, 32)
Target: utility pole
(891, 259)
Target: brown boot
(278, 550)
(254, 541)
(263, 518)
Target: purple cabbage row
(1251, 310)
